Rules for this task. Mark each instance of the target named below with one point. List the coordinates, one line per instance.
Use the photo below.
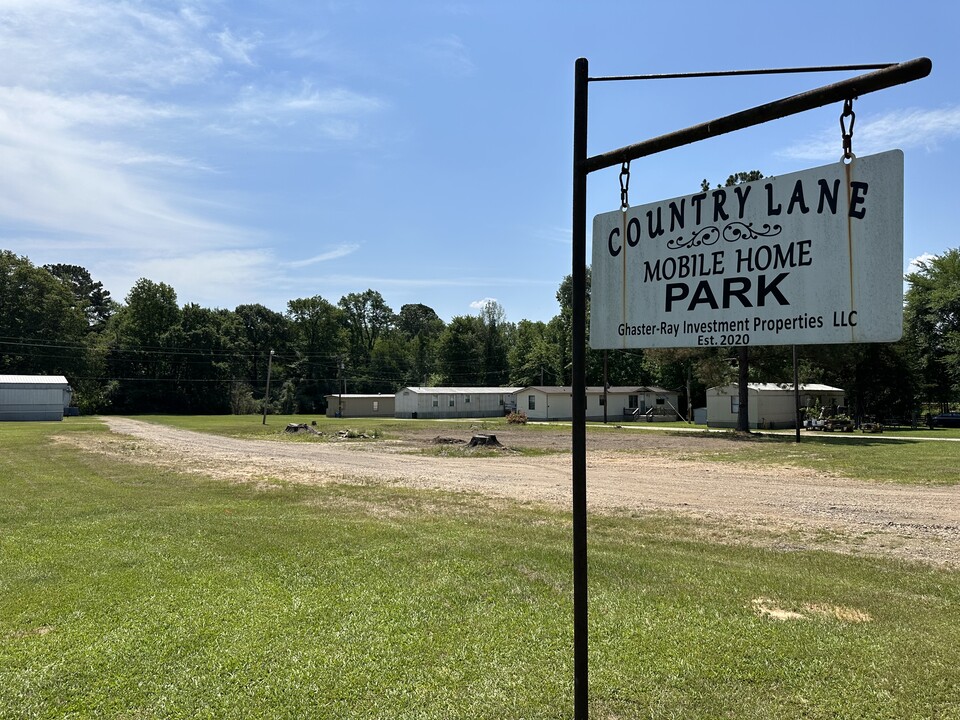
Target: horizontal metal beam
(853, 87)
(737, 73)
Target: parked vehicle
(830, 419)
(870, 425)
(842, 423)
(948, 419)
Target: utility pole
(796, 391)
(266, 396)
(743, 391)
(340, 388)
(605, 386)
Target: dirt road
(783, 507)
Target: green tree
(367, 317)
(90, 297)
(878, 377)
(531, 354)
(932, 326)
(389, 365)
(203, 360)
(460, 351)
(561, 345)
(421, 327)
(319, 345)
(735, 179)
(561, 328)
(625, 367)
(150, 310)
(494, 365)
(257, 331)
(41, 330)
(142, 355)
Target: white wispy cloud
(338, 252)
(335, 114)
(557, 235)
(911, 128)
(54, 42)
(481, 304)
(212, 278)
(447, 55)
(915, 263)
(98, 97)
(428, 282)
(53, 110)
(282, 105)
(60, 176)
(238, 48)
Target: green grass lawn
(130, 592)
(872, 458)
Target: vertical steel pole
(605, 386)
(266, 396)
(796, 392)
(579, 388)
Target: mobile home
(555, 402)
(455, 402)
(770, 405)
(357, 405)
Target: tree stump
(301, 428)
(487, 440)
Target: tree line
(151, 354)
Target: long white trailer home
(641, 403)
(455, 402)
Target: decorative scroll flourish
(704, 236)
(745, 231)
(731, 232)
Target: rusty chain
(847, 133)
(625, 186)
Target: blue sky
(248, 151)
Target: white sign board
(810, 257)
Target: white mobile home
(356, 405)
(34, 397)
(555, 402)
(455, 402)
(770, 405)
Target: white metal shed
(33, 397)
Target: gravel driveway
(775, 506)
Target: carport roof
(780, 387)
(33, 380)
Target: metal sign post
(583, 165)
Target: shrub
(517, 418)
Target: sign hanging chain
(625, 186)
(846, 133)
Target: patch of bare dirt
(774, 506)
(768, 608)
